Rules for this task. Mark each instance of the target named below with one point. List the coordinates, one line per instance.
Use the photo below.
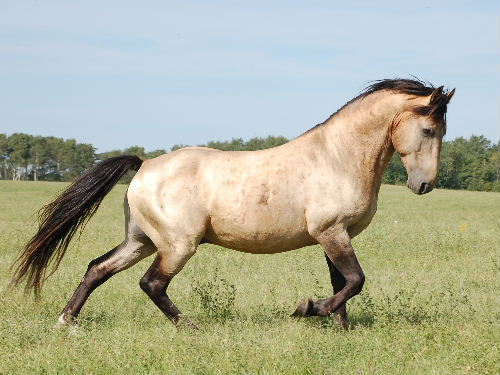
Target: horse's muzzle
(420, 188)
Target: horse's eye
(427, 132)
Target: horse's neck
(359, 137)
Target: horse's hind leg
(136, 246)
(156, 280)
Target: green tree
(395, 172)
(155, 153)
(258, 143)
(20, 156)
(5, 151)
(85, 158)
(135, 150)
(53, 166)
(471, 164)
(40, 154)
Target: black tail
(60, 219)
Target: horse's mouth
(419, 189)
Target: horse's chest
(360, 221)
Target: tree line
(471, 164)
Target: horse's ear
(436, 95)
(449, 95)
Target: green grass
(430, 303)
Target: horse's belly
(257, 238)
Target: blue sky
(159, 73)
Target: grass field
(430, 303)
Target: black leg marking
(338, 283)
(101, 269)
(155, 283)
(346, 273)
(95, 276)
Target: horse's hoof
(304, 308)
(182, 322)
(62, 322)
(59, 325)
(341, 321)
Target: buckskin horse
(319, 188)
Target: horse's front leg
(338, 283)
(337, 245)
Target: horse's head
(417, 136)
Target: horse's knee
(152, 287)
(146, 285)
(357, 281)
(361, 282)
(99, 268)
(97, 273)
(95, 267)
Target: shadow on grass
(96, 319)
(329, 323)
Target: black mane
(413, 87)
(404, 86)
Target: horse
(319, 188)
